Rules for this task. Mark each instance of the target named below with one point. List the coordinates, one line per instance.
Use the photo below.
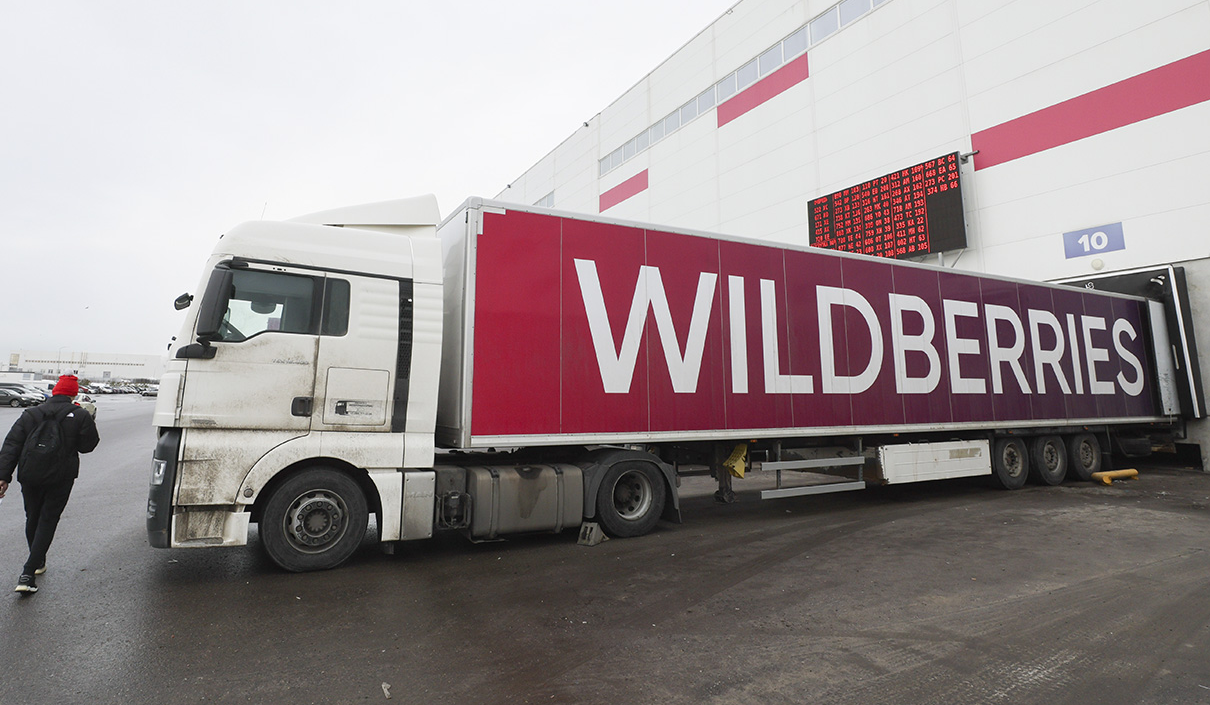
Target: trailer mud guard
(597, 462)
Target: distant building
(97, 367)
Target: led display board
(913, 211)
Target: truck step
(813, 489)
(813, 464)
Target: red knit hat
(68, 385)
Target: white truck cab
(302, 349)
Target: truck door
(364, 338)
(262, 323)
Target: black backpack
(44, 454)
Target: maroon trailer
(569, 330)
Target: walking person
(46, 457)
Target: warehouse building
(1058, 141)
(95, 367)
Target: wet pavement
(947, 592)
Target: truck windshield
(268, 301)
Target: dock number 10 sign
(1093, 241)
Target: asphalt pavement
(944, 592)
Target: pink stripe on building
(1162, 90)
(624, 190)
(768, 87)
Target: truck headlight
(158, 468)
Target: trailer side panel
(586, 329)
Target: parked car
(16, 399)
(151, 391)
(23, 388)
(86, 403)
(39, 392)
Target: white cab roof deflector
(419, 210)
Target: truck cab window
(268, 301)
(336, 308)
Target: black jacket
(79, 434)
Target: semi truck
(515, 369)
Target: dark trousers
(44, 505)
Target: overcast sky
(133, 134)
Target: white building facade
(96, 367)
(1083, 125)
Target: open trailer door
(1178, 372)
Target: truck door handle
(301, 406)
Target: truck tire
(630, 500)
(314, 520)
(1047, 460)
(1084, 455)
(1010, 464)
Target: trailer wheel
(1047, 460)
(314, 520)
(1010, 464)
(631, 499)
(1084, 455)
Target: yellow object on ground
(738, 461)
(1109, 476)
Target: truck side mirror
(182, 302)
(214, 303)
(263, 306)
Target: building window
(726, 88)
(672, 122)
(657, 132)
(852, 9)
(547, 201)
(824, 25)
(688, 111)
(747, 75)
(770, 60)
(795, 44)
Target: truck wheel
(314, 520)
(1047, 460)
(1010, 465)
(1084, 455)
(631, 499)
